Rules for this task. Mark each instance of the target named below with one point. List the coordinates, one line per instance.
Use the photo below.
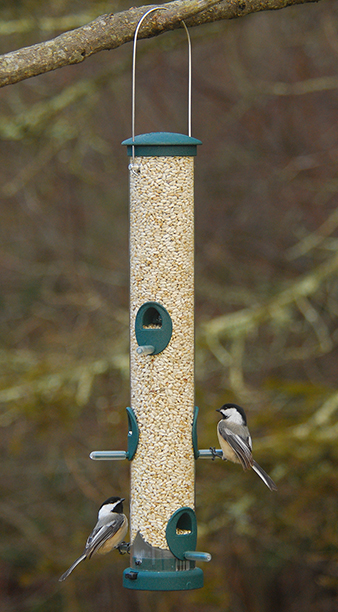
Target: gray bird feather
(103, 533)
(240, 446)
(236, 441)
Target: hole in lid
(184, 525)
(152, 319)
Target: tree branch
(113, 30)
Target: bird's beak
(218, 410)
(123, 499)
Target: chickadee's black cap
(237, 407)
(113, 500)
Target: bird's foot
(123, 548)
(214, 453)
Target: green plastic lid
(162, 144)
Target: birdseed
(162, 385)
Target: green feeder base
(184, 580)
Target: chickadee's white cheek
(234, 416)
(106, 510)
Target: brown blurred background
(265, 106)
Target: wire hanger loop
(133, 97)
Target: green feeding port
(194, 433)
(153, 328)
(133, 434)
(162, 144)
(154, 569)
(181, 532)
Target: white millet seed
(162, 385)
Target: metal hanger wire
(133, 96)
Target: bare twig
(300, 88)
(316, 238)
(248, 319)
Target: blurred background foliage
(265, 106)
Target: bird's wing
(239, 445)
(102, 532)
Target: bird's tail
(264, 476)
(73, 566)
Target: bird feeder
(163, 523)
(162, 441)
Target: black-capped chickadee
(108, 533)
(235, 440)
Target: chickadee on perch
(235, 441)
(108, 533)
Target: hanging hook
(132, 166)
(135, 169)
(189, 78)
